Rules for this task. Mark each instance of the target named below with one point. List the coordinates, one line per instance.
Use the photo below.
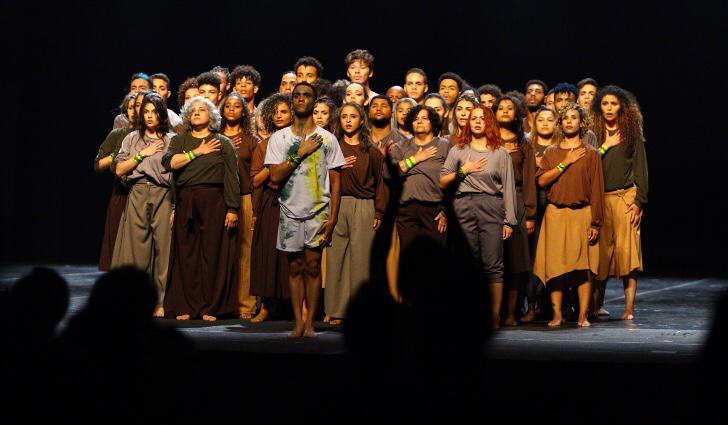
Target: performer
(208, 85)
(237, 126)
(324, 112)
(437, 102)
(401, 109)
(415, 84)
(485, 200)
(460, 115)
(587, 90)
(203, 270)
(619, 131)
(488, 94)
(308, 69)
(119, 190)
(145, 233)
(517, 256)
(187, 90)
(419, 160)
(535, 94)
(138, 82)
(363, 204)
(355, 93)
(304, 159)
(395, 93)
(246, 81)
(288, 80)
(360, 69)
(567, 250)
(268, 266)
(450, 85)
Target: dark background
(68, 65)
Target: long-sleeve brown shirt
(622, 170)
(218, 168)
(524, 173)
(581, 184)
(364, 180)
(110, 145)
(245, 156)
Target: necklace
(611, 133)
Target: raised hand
(471, 166)
(152, 149)
(212, 145)
(310, 145)
(425, 154)
(512, 147)
(237, 141)
(613, 140)
(574, 155)
(349, 161)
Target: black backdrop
(67, 66)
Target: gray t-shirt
(307, 189)
(495, 179)
(151, 167)
(421, 182)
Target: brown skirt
(563, 243)
(114, 211)
(203, 264)
(268, 266)
(516, 251)
(620, 248)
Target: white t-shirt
(307, 189)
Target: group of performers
(235, 207)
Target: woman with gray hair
(203, 270)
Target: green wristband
(138, 158)
(294, 160)
(461, 173)
(408, 163)
(561, 167)
(602, 150)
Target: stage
(673, 318)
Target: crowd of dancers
(235, 207)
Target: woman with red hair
(485, 198)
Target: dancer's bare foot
(627, 315)
(336, 322)
(297, 331)
(529, 316)
(245, 316)
(208, 318)
(327, 318)
(159, 312)
(583, 323)
(511, 321)
(309, 331)
(183, 317)
(261, 316)
(556, 322)
(603, 312)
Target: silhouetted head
(38, 302)
(125, 294)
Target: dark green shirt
(621, 170)
(218, 168)
(110, 145)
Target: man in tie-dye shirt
(304, 160)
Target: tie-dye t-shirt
(307, 189)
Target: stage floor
(673, 321)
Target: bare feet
(183, 317)
(529, 316)
(336, 322)
(261, 316)
(627, 315)
(208, 318)
(511, 321)
(603, 312)
(327, 318)
(583, 323)
(159, 312)
(297, 331)
(556, 322)
(246, 316)
(309, 332)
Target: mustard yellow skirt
(620, 248)
(563, 243)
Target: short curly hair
(186, 85)
(585, 121)
(248, 71)
(431, 114)
(267, 109)
(310, 61)
(215, 117)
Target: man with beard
(535, 94)
(304, 160)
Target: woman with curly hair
(567, 252)
(268, 266)
(203, 269)
(186, 91)
(363, 204)
(485, 199)
(517, 256)
(618, 126)
(119, 190)
(145, 236)
(237, 125)
(324, 111)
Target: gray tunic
(422, 182)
